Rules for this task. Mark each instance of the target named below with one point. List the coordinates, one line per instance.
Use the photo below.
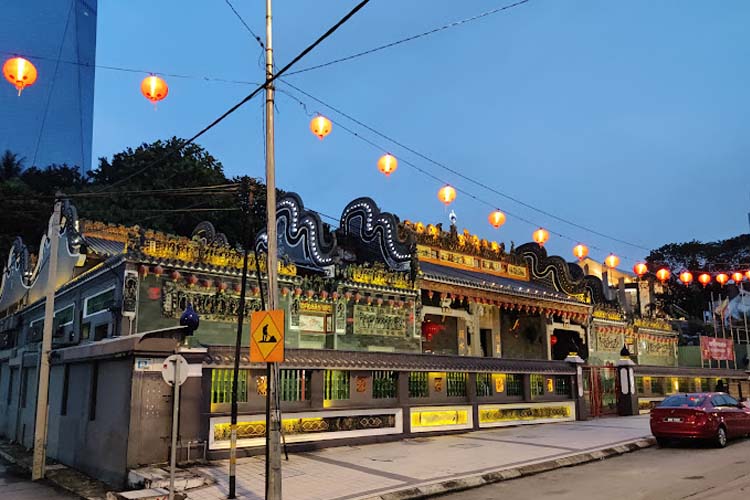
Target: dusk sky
(630, 118)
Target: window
(513, 385)
(639, 385)
(384, 384)
(294, 385)
(101, 331)
(94, 389)
(682, 400)
(336, 384)
(99, 303)
(221, 385)
(85, 331)
(484, 384)
(24, 386)
(64, 398)
(537, 385)
(730, 401)
(456, 384)
(64, 317)
(562, 385)
(418, 385)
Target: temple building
(392, 329)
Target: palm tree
(10, 165)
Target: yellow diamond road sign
(267, 337)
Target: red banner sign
(717, 349)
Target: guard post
(627, 399)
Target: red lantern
(387, 164)
(158, 270)
(143, 270)
(640, 269)
(192, 280)
(722, 278)
(663, 274)
(222, 286)
(686, 277)
(737, 277)
(447, 194)
(747, 274)
(704, 279)
(430, 329)
(175, 275)
(541, 236)
(19, 72)
(284, 291)
(580, 251)
(612, 261)
(496, 218)
(320, 126)
(553, 340)
(154, 88)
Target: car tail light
(697, 417)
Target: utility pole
(42, 396)
(273, 422)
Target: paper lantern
(686, 277)
(320, 126)
(640, 269)
(612, 261)
(541, 236)
(496, 218)
(663, 274)
(19, 72)
(447, 194)
(154, 88)
(387, 164)
(704, 279)
(737, 277)
(580, 251)
(722, 278)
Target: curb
(477, 480)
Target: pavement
(686, 471)
(16, 484)
(425, 466)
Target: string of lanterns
(686, 277)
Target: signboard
(168, 369)
(267, 337)
(471, 262)
(717, 349)
(380, 320)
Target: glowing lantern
(737, 277)
(154, 88)
(747, 274)
(430, 329)
(612, 261)
(704, 279)
(387, 164)
(686, 277)
(640, 269)
(722, 278)
(447, 194)
(19, 72)
(580, 251)
(663, 274)
(321, 126)
(496, 218)
(541, 236)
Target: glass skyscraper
(52, 121)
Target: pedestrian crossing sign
(267, 337)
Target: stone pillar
(627, 399)
(526, 380)
(471, 397)
(403, 400)
(575, 360)
(316, 389)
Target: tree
(10, 165)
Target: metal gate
(600, 390)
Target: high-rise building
(52, 121)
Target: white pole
(175, 424)
(42, 397)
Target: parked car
(713, 416)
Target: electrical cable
(252, 94)
(410, 38)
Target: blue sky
(628, 117)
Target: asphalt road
(677, 472)
(16, 485)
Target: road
(678, 472)
(16, 485)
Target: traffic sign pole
(175, 423)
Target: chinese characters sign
(717, 349)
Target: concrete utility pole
(273, 422)
(42, 396)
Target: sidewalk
(415, 467)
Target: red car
(714, 416)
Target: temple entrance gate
(600, 390)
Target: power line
(411, 38)
(461, 175)
(247, 27)
(252, 94)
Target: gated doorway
(600, 390)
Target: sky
(630, 118)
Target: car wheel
(720, 440)
(662, 442)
